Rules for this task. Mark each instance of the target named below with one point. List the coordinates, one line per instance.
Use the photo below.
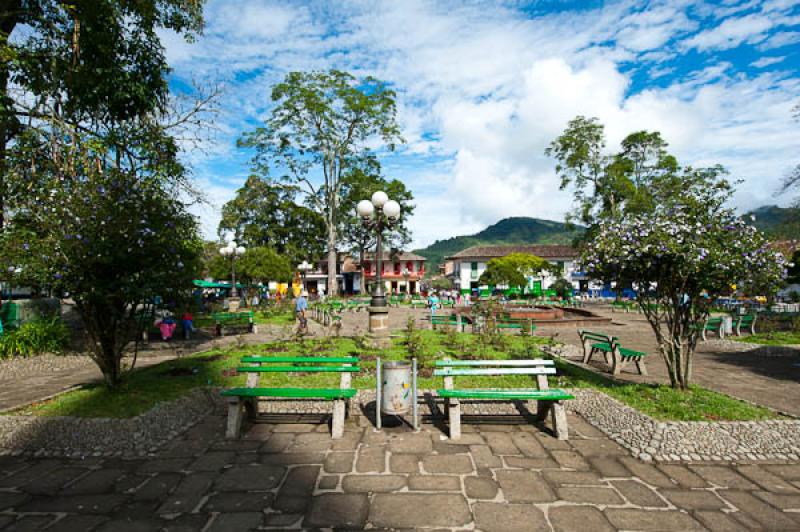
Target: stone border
(81, 437)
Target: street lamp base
(233, 304)
(379, 320)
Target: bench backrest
(539, 367)
(714, 321)
(595, 336)
(290, 364)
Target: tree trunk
(333, 287)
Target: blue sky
(483, 87)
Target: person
(167, 327)
(188, 324)
(433, 303)
(300, 306)
(255, 300)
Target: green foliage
(262, 264)
(517, 230)
(265, 214)
(514, 269)
(35, 337)
(777, 223)
(793, 272)
(562, 288)
(441, 283)
(413, 339)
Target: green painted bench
(232, 319)
(517, 324)
(452, 321)
(593, 342)
(9, 313)
(620, 306)
(748, 321)
(245, 399)
(548, 400)
(610, 345)
(714, 325)
(418, 303)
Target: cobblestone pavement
(293, 476)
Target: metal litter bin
(396, 392)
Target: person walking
(433, 303)
(300, 307)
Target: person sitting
(167, 327)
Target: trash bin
(396, 390)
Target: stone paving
(293, 476)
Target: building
(402, 271)
(468, 265)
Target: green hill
(777, 222)
(519, 230)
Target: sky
(484, 87)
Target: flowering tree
(681, 256)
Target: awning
(212, 284)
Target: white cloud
(767, 61)
(731, 33)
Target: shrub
(35, 337)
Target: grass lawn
(771, 338)
(282, 318)
(167, 381)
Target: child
(167, 327)
(188, 325)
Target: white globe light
(391, 209)
(379, 199)
(224, 251)
(232, 244)
(240, 250)
(365, 208)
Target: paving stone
(491, 427)
(723, 476)
(287, 520)
(550, 442)
(234, 501)
(374, 437)
(589, 495)
(339, 462)
(344, 510)
(633, 519)
(647, 472)
(30, 523)
(98, 481)
(188, 493)
(186, 523)
(288, 459)
(568, 478)
(581, 427)
(608, 467)
(767, 480)
(129, 525)
(372, 483)
(10, 500)
(74, 523)
(277, 443)
(27, 474)
(236, 521)
(638, 493)
(762, 512)
(371, 460)
(501, 443)
(719, 522)
(694, 499)
(483, 457)
(79, 504)
(786, 471)
(258, 431)
(570, 459)
(411, 510)
(5, 520)
(52, 482)
(470, 438)
(525, 462)
(158, 487)
(524, 486)
(164, 465)
(249, 478)
(683, 476)
(411, 443)
(130, 482)
(480, 488)
(135, 510)
(447, 463)
(348, 442)
(328, 482)
(295, 492)
(213, 461)
(570, 518)
(528, 444)
(434, 483)
(296, 427)
(783, 502)
(404, 463)
(312, 442)
(600, 447)
(502, 517)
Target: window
(474, 266)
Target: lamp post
(232, 251)
(407, 276)
(304, 268)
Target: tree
(792, 179)
(514, 269)
(262, 264)
(680, 256)
(266, 214)
(83, 61)
(321, 127)
(793, 273)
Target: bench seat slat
(298, 369)
(554, 394)
(523, 363)
(293, 393)
(630, 353)
(603, 346)
(454, 372)
(267, 360)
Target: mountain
(517, 230)
(778, 223)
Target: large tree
(514, 269)
(322, 125)
(83, 62)
(264, 213)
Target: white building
(469, 264)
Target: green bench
(714, 325)
(418, 303)
(10, 315)
(549, 400)
(512, 323)
(452, 320)
(620, 306)
(744, 320)
(610, 346)
(245, 399)
(232, 319)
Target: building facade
(467, 266)
(402, 272)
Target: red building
(402, 271)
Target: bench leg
(560, 420)
(640, 366)
(616, 364)
(235, 411)
(455, 419)
(337, 426)
(542, 409)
